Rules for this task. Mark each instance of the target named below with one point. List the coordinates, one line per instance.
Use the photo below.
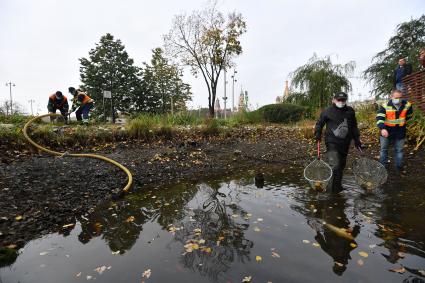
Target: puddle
(229, 230)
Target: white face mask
(396, 101)
(340, 104)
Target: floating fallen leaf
(247, 279)
(235, 215)
(422, 272)
(78, 274)
(100, 269)
(43, 253)
(115, 253)
(89, 277)
(317, 245)
(258, 258)
(275, 255)
(372, 246)
(256, 229)
(248, 215)
(339, 264)
(363, 254)
(306, 241)
(260, 219)
(68, 225)
(146, 274)
(130, 219)
(401, 254)
(360, 262)
(18, 218)
(353, 245)
(190, 247)
(400, 270)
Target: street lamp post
(31, 102)
(233, 89)
(10, 84)
(225, 96)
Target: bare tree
(207, 42)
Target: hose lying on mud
(89, 155)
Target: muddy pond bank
(42, 194)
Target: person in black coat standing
(341, 128)
(403, 69)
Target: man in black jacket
(403, 69)
(341, 128)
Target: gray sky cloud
(42, 40)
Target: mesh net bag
(318, 173)
(369, 173)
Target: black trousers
(337, 158)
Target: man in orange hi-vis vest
(391, 120)
(83, 102)
(58, 101)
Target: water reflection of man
(332, 211)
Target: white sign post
(107, 94)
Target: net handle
(318, 149)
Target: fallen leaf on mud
(12, 246)
(353, 245)
(372, 246)
(191, 246)
(248, 215)
(201, 241)
(275, 255)
(422, 272)
(256, 229)
(68, 225)
(360, 262)
(43, 253)
(338, 263)
(400, 270)
(247, 279)
(235, 215)
(146, 274)
(258, 258)
(89, 277)
(306, 241)
(317, 245)
(363, 254)
(130, 219)
(197, 230)
(18, 218)
(115, 253)
(206, 249)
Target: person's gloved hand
(358, 145)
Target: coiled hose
(89, 155)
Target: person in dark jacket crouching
(341, 128)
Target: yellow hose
(130, 177)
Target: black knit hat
(341, 95)
(59, 94)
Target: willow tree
(409, 38)
(207, 42)
(319, 79)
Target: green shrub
(142, 127)
(14, 119)
(280, 113)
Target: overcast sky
(42, 40)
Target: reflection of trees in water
(331, 210)
(120, 223)
(214, 218)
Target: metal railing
(415, 85)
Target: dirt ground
(40, 193)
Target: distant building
(280, 99)
(242, 105)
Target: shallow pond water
(230, 230)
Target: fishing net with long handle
(318, 173)
(368, 173)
